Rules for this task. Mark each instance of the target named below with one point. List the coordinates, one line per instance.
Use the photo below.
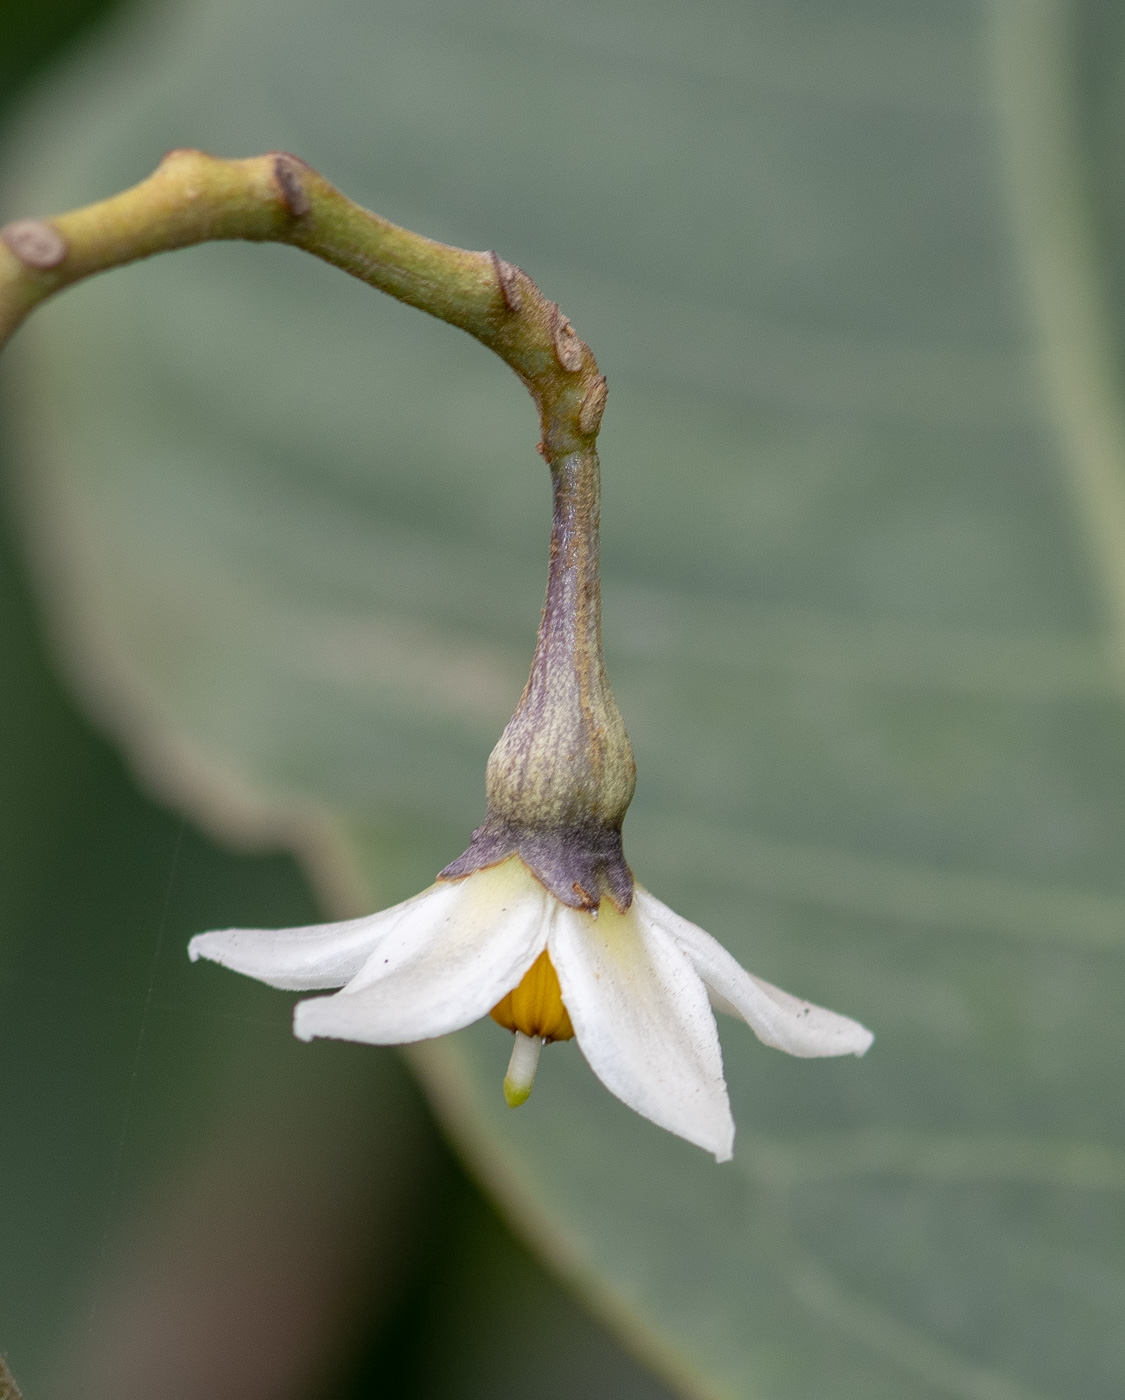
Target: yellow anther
(536, 1007)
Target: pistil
(520, 1078)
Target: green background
(188, 1206)
(852, 270)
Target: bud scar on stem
(562, 776)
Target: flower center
(536, 1007)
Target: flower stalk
(561, 778)
(539, 923)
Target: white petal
(304, 959)
(442, 966)
(783, 1021)
(642, 1019)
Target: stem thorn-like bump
(35, 243)
(568, 346)
(593, 406)
(287, 173)
(507, 278)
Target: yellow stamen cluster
(536, 1006)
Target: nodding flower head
(540, 923)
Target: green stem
(194, 198)
(562, 775)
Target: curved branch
(562, 776)
(193, 197)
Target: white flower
(632, 988)
(539, 923)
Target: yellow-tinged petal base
(535, 1008)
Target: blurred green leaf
(32, 33)
(847, 268)
(190, 1204)
(159, 1214)
(164, 1228)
